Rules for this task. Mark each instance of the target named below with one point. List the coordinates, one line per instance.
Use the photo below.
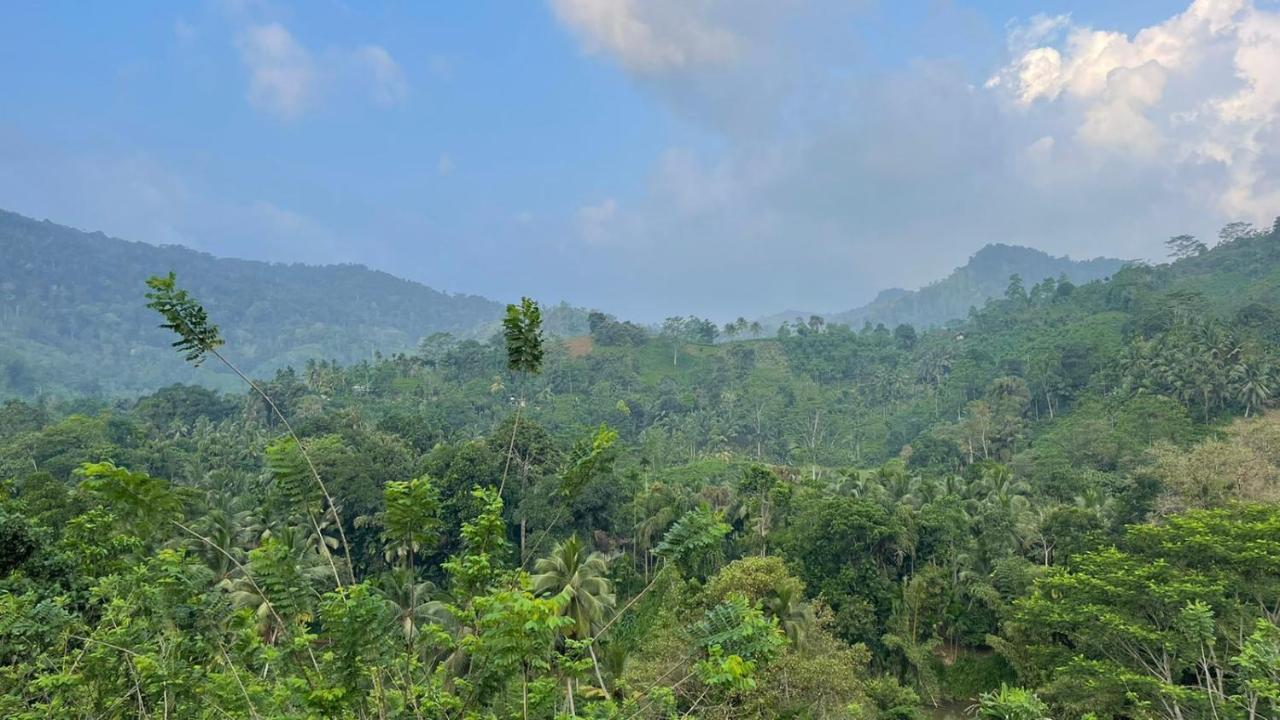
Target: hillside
(72, 318)
(839, 504)
(985, 276)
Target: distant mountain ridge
(984, 276)
(72, 314)
(73, 320)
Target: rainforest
(640, 360)
(1063, 505)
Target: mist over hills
(73, 316)
(73, 319)
(984, 277)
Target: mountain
(985, 276)
(72, 314)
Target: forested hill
(827, 524)
(985, 276)
(71, 320)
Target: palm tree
(409, 597)
(1253, 385)
(795, 616)
(580, 578)
(288, 567)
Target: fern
(292, 476)
(738, 628)
(697, 534)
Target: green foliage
(291, 474)
(578, 579)
(835, 523)
(1150, 623)
(1011, 703)
(411, 522)
(694, 540)
(588, 460)
(484, 546)
(143, 503)
(184, 317)
(522, 331)
(737, 628)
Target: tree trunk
(599, 677)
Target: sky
(645, 157)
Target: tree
(1147, 626)
(198, 337)
(522, 332)
(581, 578)
(761, 490)
(579, 582)
(694, 541)
(673, 330)
(905, 335)
(1234, 231)
(1015, 292)
(1185, 246)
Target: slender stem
(596, 663)
(626, 607)
(239, 566)
(511, 446)
(333, 508)
(541, 536)
(236, 674)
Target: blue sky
(646, 157)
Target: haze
(646, 157)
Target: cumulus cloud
(650, 35)
(286, 79)
(282, 74)
(388, 83)
(829, 178)
(1199, 88)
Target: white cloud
(285, 78)
(282, 74)
(650, 35)
(1199, 90)
(444, 166)
(1039, 29)
(389, 85)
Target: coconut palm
(581, 579)
(1253, 385)
(413, 602)
(795, 616)
(283, 580)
